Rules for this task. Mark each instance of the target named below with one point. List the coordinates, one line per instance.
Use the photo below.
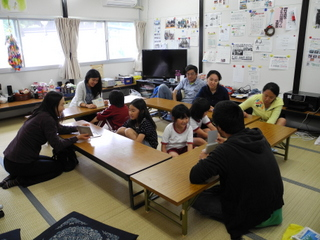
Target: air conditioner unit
(120, 3)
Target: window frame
(55, 66)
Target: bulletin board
(250, 42)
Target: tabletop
(168, 105)
(119, 152)
(272, 132)
(170, 179)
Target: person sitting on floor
(115, 115)
(190, 85)
(198, 119)
(87, 90)
(177, 136)
(250, 193)
(140, 126)
(213, 91)
(21, 157)
(266, 105)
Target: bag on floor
(67, 157)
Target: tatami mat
(100, 194)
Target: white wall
(168, 8)
(82, 9)
(285, 78)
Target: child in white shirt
(178, 136)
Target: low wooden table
(170, 181)
(119, 154)
(73, 112)
(275, 135)
(168, 105)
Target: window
(6, 29)
(92, 43)
(40, 45)
(121, 40)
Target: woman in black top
(213, 91)
(21, 158)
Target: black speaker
(9, 88)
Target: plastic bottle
(51, 85)
(177, 75)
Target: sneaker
(167, 117)
(274, 150)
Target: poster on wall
(171, 23)
(263, 45)
(182, 23)
(223, 54)
(255, 4)
(209, 56)
(224, 33)
(211, 39)
(242, 52)
(238, 16)
(157, 33)
(284, 42)
(194, 22)
(238, 30)
(313, 59)
(220, 3)
(13, 6)
(169, 34)
(279, 62)
(291, 23)
(254, 74)
(280, 17)
(238, 73)
(257, 22)
(184, 42)
(212, 19)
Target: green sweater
(269, 115)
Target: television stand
(146, 87)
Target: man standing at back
(190, 85)
(250, 193)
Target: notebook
(212, 143)
(98, 102)
(87, 130)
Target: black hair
(214, 72)
(50, 105)
(228, 116)
(141, 105)
(273, 87)
(191, 67)
(198, 108)
(116, 98)
(97, 89)
(180, 111)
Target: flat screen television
(163, 63)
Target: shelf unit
(146, 87)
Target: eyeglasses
(190, 74)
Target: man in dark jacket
(250, 193)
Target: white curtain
(140, 28)
(68, 30)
